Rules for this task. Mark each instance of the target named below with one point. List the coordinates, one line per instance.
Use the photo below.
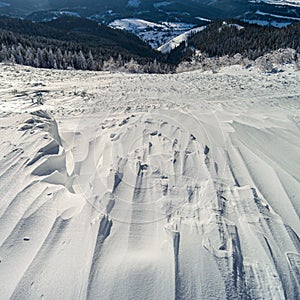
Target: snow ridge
(194, 198)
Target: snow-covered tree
(90, 62)
(132, 66)
(59, 59)
(154, 67)
(4, 53)
(51, 60)
(80, 61)
(119, 62)
(29, 57)
(19, 55)
(109, 65)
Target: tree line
(41, 52)
(251, 41)
(85, 45)
(47, 58)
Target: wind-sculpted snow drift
(159, 203)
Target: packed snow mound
(179, 186)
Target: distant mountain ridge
(70, 42)
(106, 11)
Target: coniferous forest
(252, 41)
(234, 37)
(75, 43)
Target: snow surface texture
(149, 186)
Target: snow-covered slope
(175, 42)
(258, 12)
(280, 2)
(155, 34)
(149, 186)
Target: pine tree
(51, 60)
(90, 62)
(4, 55)
(45, 58)
(154, 67)
(132, 66)
(109, 65)
(59, 59)
(29, 57)
(12, 59)
(120, 62)
(39, 58)
(19, 55)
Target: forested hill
(77, 43)
(222, 38)
(74, 35)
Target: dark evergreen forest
(74, 43)
(226, 38)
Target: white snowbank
(170, 186)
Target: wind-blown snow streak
(167, 201)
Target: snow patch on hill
(175, 42)
(4, 4)
(155, 34)
(279, 2)
(226, 25)
(162, 4)
(134, 3)
(268, 23)
(261, 13)
(203, 19)
(135, 25)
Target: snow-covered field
(130, 186)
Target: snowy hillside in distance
(280, 2)
(155, 34)
(175, 42)
(138, 186)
